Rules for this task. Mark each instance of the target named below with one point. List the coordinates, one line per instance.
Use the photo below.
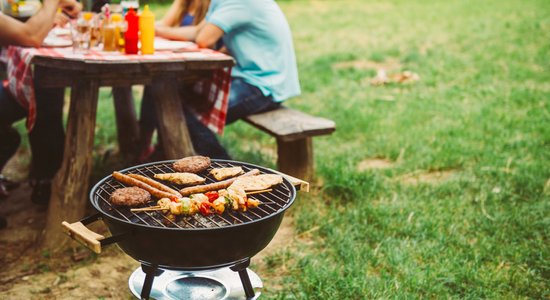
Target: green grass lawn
(462, 208)
(480, 114)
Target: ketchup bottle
(131, 36)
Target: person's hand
(60, 19)
(70, 7)
(224, 50)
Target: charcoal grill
(192, 243)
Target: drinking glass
(110, 40)
(95, 31)
(81, 33)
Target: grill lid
(273, 202)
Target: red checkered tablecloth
(20, 77)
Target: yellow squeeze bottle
(147, 31)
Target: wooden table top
(168, 63)
(54, 71)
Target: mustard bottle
(147, 31)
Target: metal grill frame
(275, 202)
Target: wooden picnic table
(84, 76)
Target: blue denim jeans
(244, 100)
(47, 137)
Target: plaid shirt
(20, 81)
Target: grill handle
(82, 234)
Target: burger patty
(192, 164)
(130, 196)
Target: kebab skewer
(218, 202)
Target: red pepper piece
(213, 195)
(205, 208)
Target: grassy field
(462, 209)
(436, 189)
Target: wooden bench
(294, 131)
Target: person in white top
(46, 139)
(33, 32)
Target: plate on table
(61, 31)
(28, 8)
(169, 45)
(53, 41)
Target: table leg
(126, 122)
(70, 186)
(172, 127)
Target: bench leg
(295, 158)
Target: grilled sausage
(216, 185)
(155, 184)
(134, 182)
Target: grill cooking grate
(275, 201)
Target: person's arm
(33, 32)
(224, 50)
(60, 19)
(209, 35)
(185, 33)
(226, 17)
(70, 7)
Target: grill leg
(245, 280)
(151, 271)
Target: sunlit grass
(480, 112)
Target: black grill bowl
(197, 242)
(195, 249)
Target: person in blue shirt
(181, 13)
(256, 33)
